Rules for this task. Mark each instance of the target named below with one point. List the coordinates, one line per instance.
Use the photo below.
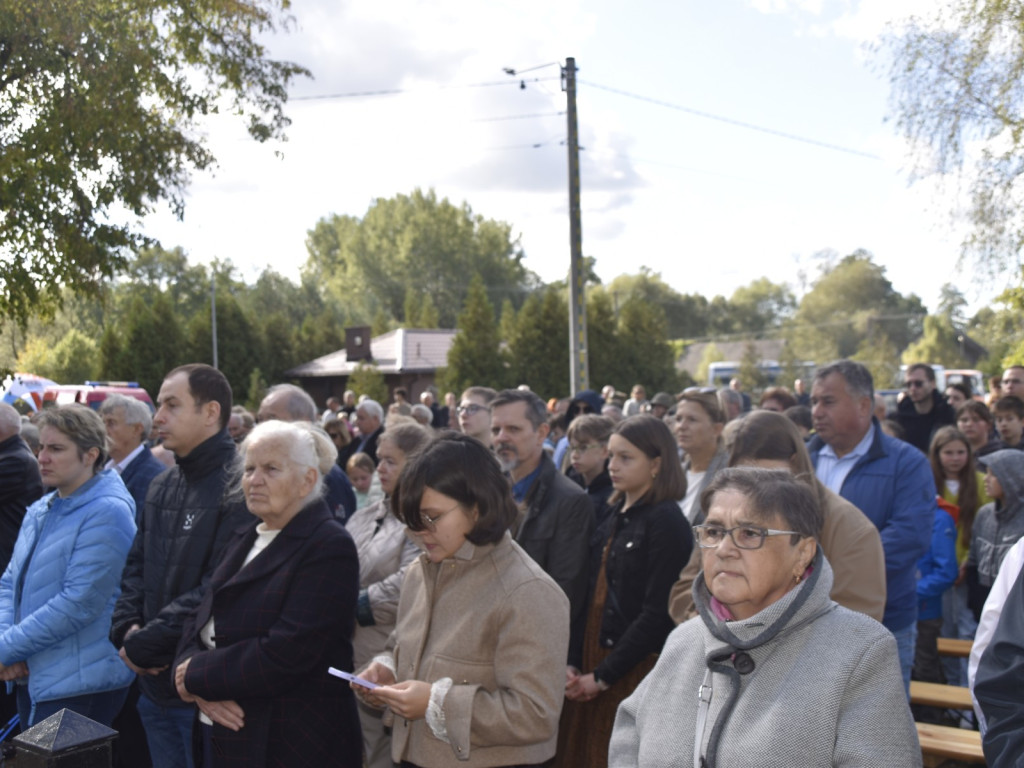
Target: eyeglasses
(743, 536)
(916, 383)
(582, 448)
(470, 409)
(430, 523)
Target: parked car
(92, 393)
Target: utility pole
(579, 368)
(213, 314)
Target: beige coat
(853, 547)
(383, 558)
(490, 619)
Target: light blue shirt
(832, 470)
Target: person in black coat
(923, 410)
(20, 483)
(648, 541)
(279, 611)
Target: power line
(516, 117)
(399, 91)
(729, 120)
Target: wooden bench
(938, 695)
(955, 743)
(950, 647)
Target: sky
(708, 204)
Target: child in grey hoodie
(998, 525)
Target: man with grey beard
(555, 515)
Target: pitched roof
(767, 349)
(406, 350)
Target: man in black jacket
(555, 515)
(924, 409)
(185, 523)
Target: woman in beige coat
(384, 553)
(476, 668)
(849, 539)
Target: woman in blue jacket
(58, 591)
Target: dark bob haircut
(464, 469)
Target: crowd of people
(499, 580)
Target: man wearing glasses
(923, 410)
(474, 413)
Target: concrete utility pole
(579, 368)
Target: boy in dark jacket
(998, 524)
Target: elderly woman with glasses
(771, 672)
(475, 669)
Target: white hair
(372, 409)
(135, 411)
(308, 446)
(10, 420)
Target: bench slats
(938, 695)
(956, 743)
(950, 647)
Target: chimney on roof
(357, 343)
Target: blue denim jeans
(957, 622)
(168, 733)
(99, 707)
(906, 642)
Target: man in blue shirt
(887, 479)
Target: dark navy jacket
(893, 485)
(137, 476)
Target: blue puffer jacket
(893, 485)
(67, 564)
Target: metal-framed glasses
(430, 523)
(470, 409)
(743, 536)
(581, 449)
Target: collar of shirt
(122, 465)
(832, 470)
(521, 488)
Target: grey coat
(825, 689)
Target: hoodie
(999, 523)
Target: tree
(414, 243)
(646, 355)
(539, 346)
(751, 376)
(939, 344)
(711, 354)
(958, 93)
(603, 347)
(70, 361)
(685, 315)
(367, 380)
(849, 303)
(100, 103)
(474, 357)
(761, 306)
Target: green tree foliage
(414, 243)
(939, 344)
(604, 352)
(685, 315)
(368, 380)
(646, 355)
(99, 108)
(239, 346)
(71, 360)
(848, 306)
(539, 346)
(152, 342)
(760, 306)
(957, 80)
(475, 357)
